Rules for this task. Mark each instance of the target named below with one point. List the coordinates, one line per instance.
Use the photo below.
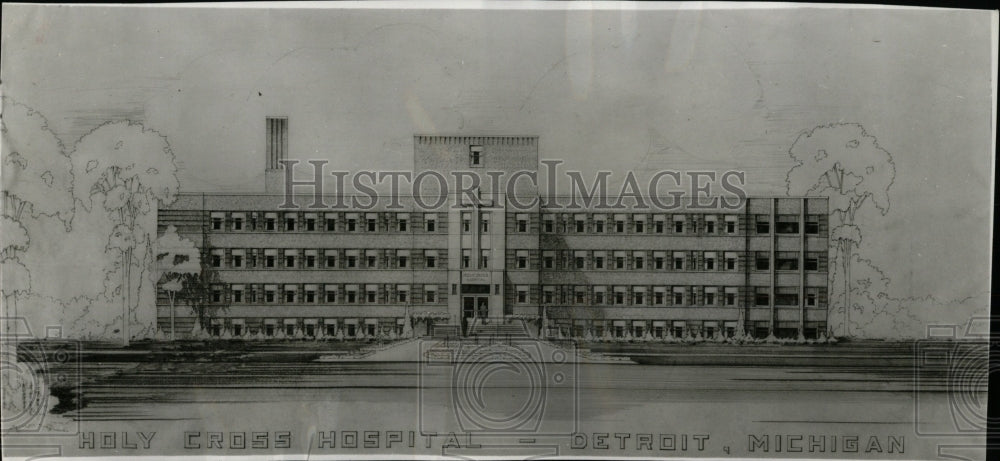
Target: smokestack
(276, 148)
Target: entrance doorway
(475, 306)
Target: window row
(329, 258)
(669, 296)
(373, 293)
(294, 221)
(662, 260)
(348, 328)
(689, 223)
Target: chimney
(276, 148)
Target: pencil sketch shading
(590, 233)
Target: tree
(133, 170)
(175, 257)
(36, 171)
(843, 162)
(16, 280)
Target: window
(466, 258)
(238, 220)
(352, 258)
(270, 221)
(812, 224)
(731, 258)
(309, 293)
(522, 222)
(640, 223)
(581, 223)
(216, 293)
(639, 296)
(548, 259)
(599, 260)
(403, 222)
(620, 224)
(237, 291)
(331, 222)
(290, 219)
(549, 224)
(217, 220)
(787, 224)
(659, 260)
(352, 294)
(475, 156)
(484, 222)
(430, 259)
(763, 224)
(678, 224)
(731, 293)
(270, 293)
(580, 262)
(310, 219)
(579, 295)
(402, 259)
(710, 260)
(547, 295)
(352, 222)
(522, 259)
(430, 294)
(619, 259)
(812, 262)
(371, 259)
(217, 256)
(709, 224)
(659, 295)
(290, 258)
(402, 293)
(787, 261)
(430, 222)
(310, 258)
(811, 297)
(371, 294)
(761, 296)
(270, 256)
(599, 224)
(466, 222)
(599, 295)
(762, 261)
(290, 293)
(331, 293)
(678, 296)
(331, 258)
(484, 259)
(371, 221)
(786, 296)
(658, 224)
(639, 260)
(619, 295)
(522, 294)
(679, 257)
(710, 296)
(731, 224)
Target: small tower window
(475, 156)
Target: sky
(620, 89)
